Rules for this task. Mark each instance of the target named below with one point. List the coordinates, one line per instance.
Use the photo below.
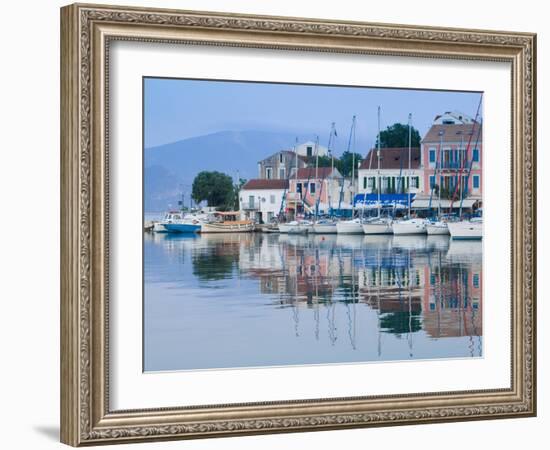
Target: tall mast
(317, 191)
(440, 176)
(378, 155)
(296, 180)
(352, 136)
(409, 174)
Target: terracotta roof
(392, 158)
(265, 184)
(454, 133)
(310, 172)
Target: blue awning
(370, 201)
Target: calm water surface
(253, 299)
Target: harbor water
(258, 299)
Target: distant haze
(193, 125)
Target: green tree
(397, 135)
(345, 163)
(214, 187)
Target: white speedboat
(324, 227)
(437, 228)
(467, 229)
(378, 225)
(409, 226)
(353, 226)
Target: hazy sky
(176, 109)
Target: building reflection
(413, 283)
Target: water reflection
(252, 299)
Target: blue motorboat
(182, 227)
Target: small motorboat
(182, 227)
(169, 217)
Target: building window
(251, 201)
(476, 181)
(309, 150)
(432, 181)
(272, 199)
(476, 280)
(282, 173)
(312, 188)
(475, 155)
(268, 173)
(281, 158)
(299, 188)
(364, 182)
(372, 182)
(432, 155)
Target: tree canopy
(215, 188)
(397, 135)
(345, 163)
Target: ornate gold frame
(86, 31)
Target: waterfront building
(392, 180)
(262, 200)
(453, 144)
(278, 166)
(324, 186)
(394, 171)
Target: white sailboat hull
(295, 228)
(349, 227)
(413, 226)
(324, 228)
(377, 228)
(438, 228)
(466, 230)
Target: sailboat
(324, 226)
(473, 228)
(378, 224)
(409, 226)
(295, 226)
(438, 226)
(353, 226)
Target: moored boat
(182, 227)
(324, 227)
(467, 229)
(378, 225)
(439, 228)
(227, 222)
(409, 226)
(353, 226)
(169, 217)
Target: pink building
(453, 146)
(322, 186)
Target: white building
(310, 149)
(262, 200)
(394, 172)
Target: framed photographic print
(279, 224)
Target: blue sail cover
(370, 201)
